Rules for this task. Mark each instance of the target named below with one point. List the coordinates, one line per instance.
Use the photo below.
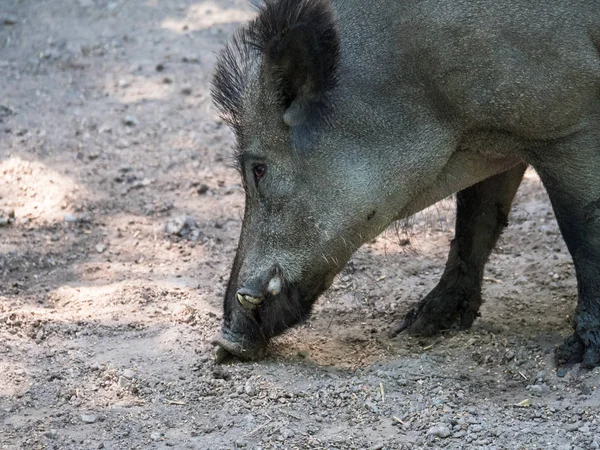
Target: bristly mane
(296, 43)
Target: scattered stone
(155, 436)
(476, 428)
(123, 382)
(181, 226)
(51, 434)
(160, 67)
(250, 389)
(130, 121)
(536, 389)
(129, 374)
(7, 217)
(96, 366)
(440, 431)
(89, 418)
(100, 248)
(203, 189)
(220, 374)
(69, 218)
(5, 111)
(371, 406)
(585, 428)
(186, 91)
(9, 20)
(287, 433)
(190, 60)
(231, 189)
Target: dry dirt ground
(108, 298)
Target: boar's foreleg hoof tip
(576, 350)
(220, 354)
(417, 323)
(404, 324)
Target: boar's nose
(253, 293)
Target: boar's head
(313, 193)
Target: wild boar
(349, 115)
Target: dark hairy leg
(481, 215)
(570, 171)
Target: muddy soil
(126, 216)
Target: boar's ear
(300, 46)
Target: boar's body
(351, 114)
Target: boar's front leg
(481, 215)
(570, 171)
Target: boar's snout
(251, 303)
(258, 307)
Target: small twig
(260, 427)
(434, 375)
(382, 392)
(521, 373)
(492, 280)
(294, 416)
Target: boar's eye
(259, 171)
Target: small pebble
(130, 121)
(9, 20)
(440, 431)
(129, 374)
(89, 418)
(51, 434)
(250, 389)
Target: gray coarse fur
(424, 99)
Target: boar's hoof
(578, 348)
(226, 348)
(249, 302)
(442, 309)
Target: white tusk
(253, 300)
(248, 302)
(275, 285)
